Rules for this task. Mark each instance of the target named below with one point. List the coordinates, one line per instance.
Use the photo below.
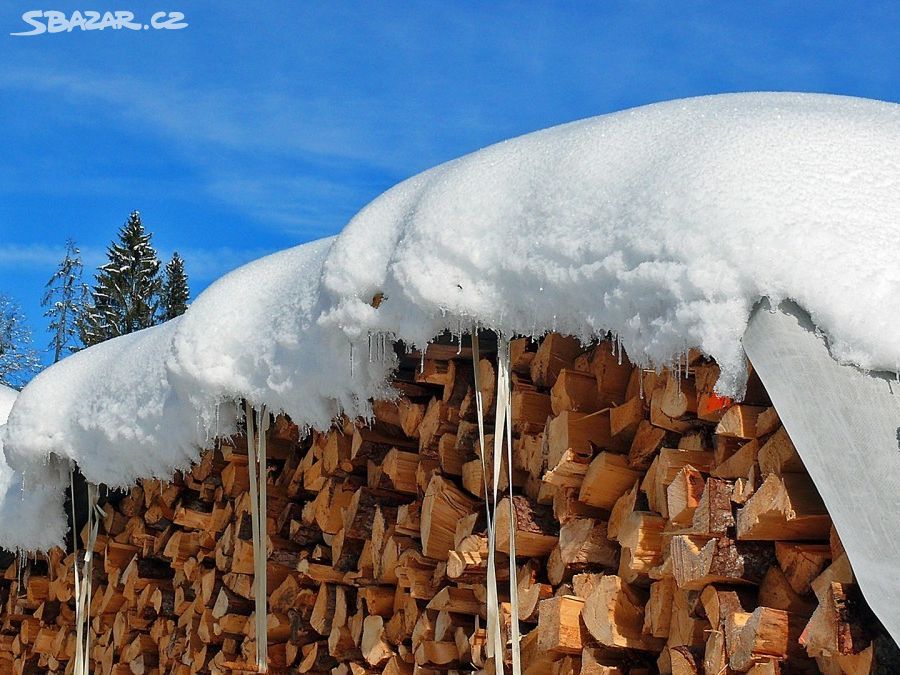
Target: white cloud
(208, 264)
(235, 119)
(37, 256)
(203, 264)
(254, 151)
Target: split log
(784, 508)
(614, 615)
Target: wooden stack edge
(659, 528)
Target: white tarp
(845, 424)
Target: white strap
(497, 466)
(83, 589)
(79, 645)
(259, 561)
(257, 522)
(503, 431)
(504, 383)
(494, 646)
(80, 666)
(97, 515)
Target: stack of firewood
(659, 527)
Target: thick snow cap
(270, 346)
(663, 224)
(112, 410)
(34, 506)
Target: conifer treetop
(127, 294)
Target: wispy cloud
(37, 256)
(208, 264)
(314, 206)
(232, 119)
(203, 264)
(293, 172)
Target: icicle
(351, 358)
(20, 574)
(422, 360)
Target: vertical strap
(83, 589)
(503, 432)
(259, 561)
(256, 466)
(79, 632)
(249, 419)
(494, 646)
(94, 520)
(504, 382)
(497, 466)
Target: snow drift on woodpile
(30, 510)
(663, 224)
(111, 410)
(257, 334)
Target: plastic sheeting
(845, 424)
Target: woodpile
(659, 528)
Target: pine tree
(126, 295)
(175, 291)
(65, 296)
(18, 361)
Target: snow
(270, 345)
(663, 224)
(7, 398)
(34, 506)
(110, 409)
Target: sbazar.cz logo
(52, 21)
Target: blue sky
(264, 125)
